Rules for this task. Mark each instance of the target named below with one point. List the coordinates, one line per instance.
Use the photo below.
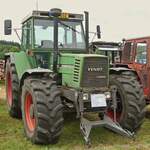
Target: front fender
(35, 71)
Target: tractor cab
(42, 30)
(47, 34)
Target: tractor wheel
(42, 110)
(12, 90)
(130, 102)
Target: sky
(118, 18)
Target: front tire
(42, 110)
(131, 103)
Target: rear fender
(20, 60)
(120, 70)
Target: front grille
(95, 72)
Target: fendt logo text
(95, 69)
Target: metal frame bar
(55, 51)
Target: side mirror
(98, 31)
(7, 27)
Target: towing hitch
(86, 126)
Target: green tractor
(54, 73)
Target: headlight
(85, 96)
(108, 95)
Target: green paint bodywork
(66, 66)
(21, 62)
(67, 62)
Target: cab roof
(138, 38)
(45, 14)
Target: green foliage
(7, 46)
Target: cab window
(70, 34)
(27, 35)
(44, 33)
(141, 53)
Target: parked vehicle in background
(136, 55)
(111, 49)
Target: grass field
(12, 136)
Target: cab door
(141, 63)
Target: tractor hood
(84, 70)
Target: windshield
(70, 34)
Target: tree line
(8, 46)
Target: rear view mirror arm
(15, 30)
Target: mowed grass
(12, 136)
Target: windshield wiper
(69, 27)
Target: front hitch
(86, 126)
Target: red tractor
(136, 55)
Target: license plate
(98, 100)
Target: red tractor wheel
(12, 90)
(29, 112)
(131, 104)
(41, 110)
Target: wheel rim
(119, 109)
(29, 112)
(9, 89)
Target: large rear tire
(42, 110)
(12, 90)
(130, 102)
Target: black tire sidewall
(133, 102)
(48, 112)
